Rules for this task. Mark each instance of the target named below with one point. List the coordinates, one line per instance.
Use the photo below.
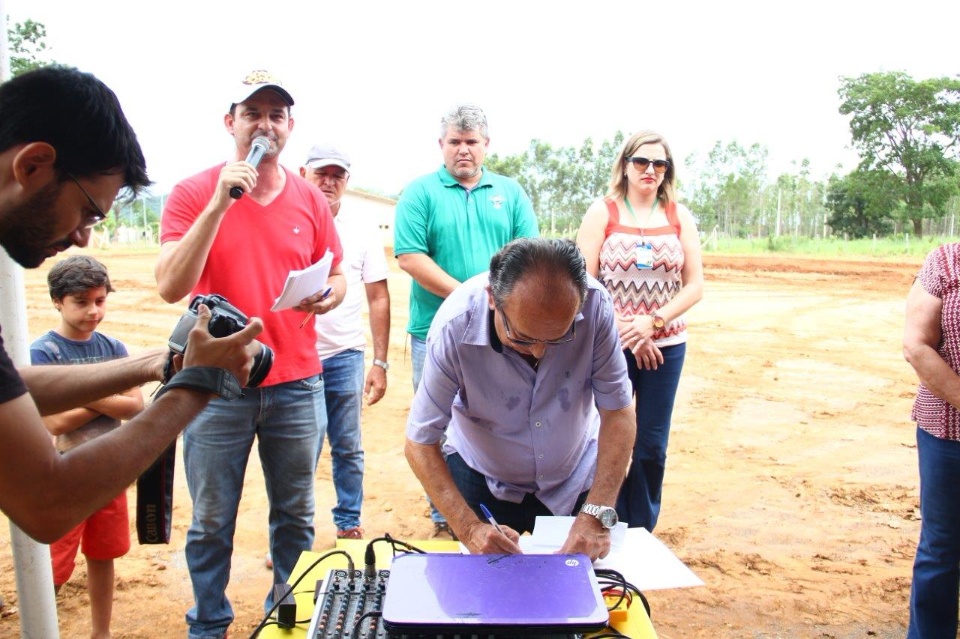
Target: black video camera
(225, 319)
(155, 485)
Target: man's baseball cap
(257, 81)
(322, 155)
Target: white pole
(31, 560)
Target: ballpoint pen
(313, 312)
(493, 522)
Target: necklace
(653, 208)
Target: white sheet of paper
(640, 557)
(304, 283)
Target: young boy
(78, 287)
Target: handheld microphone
(259, 146)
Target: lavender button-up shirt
(525, 430)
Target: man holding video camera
(243, 248)
(66, 150)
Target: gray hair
(536, 255)
(465, 117)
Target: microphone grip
(260, 146)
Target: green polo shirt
(458, 229)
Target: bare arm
(590, 236)
(427, 274)
(921, 341)
(45, 493)
(122, 406)
(692, 274)
(378, 302)
(181, 262)
(479, 536)
(618, 428)
(55, 389)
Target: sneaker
(441, 528)
(351, 533)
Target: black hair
(77, 274)
(538, 255)
(79, 116)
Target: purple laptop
(443, 593)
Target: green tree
(908, 128)
(27, 46)
(561, 182)
(863, 203)
(726, 188)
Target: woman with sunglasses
(644, 246)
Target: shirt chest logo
(497, 201)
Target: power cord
(266, 618)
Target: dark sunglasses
(659, 166)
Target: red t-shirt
(255, 249)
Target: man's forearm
(46, 493)
(432, 471)
(428, 274)
(55, 389)
(618, 429)
(378, 301)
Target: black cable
(367, 615)
(266, 618)
(621, 581)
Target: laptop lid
(450, 593)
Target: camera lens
(261, 366)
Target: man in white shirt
(341, 338)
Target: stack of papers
(640, 557)
(304, 283)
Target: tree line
(906, 132)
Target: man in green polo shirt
(450, 223)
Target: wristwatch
(382, 364)
(605, 514)
(658, 322)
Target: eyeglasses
(524, 341)
(659, 166)
(91, 219)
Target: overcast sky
(374, 77)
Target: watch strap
(382, 364)
(218, 381)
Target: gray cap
(322, 155)
(257, 81)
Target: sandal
(351, 533)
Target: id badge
(644, 255)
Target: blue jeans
(655, 390)
(287, 420)
(418, 355)
(343, 394)
(521, 517)
(936, 568)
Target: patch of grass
(889, 247)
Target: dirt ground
(791, 484)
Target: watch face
(608, 517)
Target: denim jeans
(521, 517)
(418, 355)
(655, 390)
(287, 420)
(343, 394)
(936, 568)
